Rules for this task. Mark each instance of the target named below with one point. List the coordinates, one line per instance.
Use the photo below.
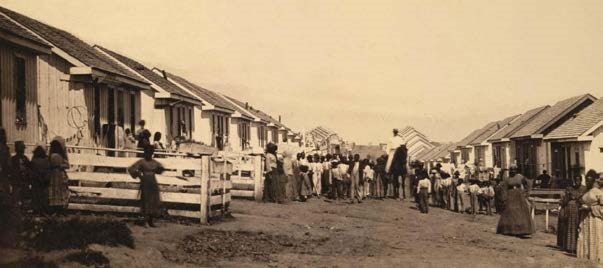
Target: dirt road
(320, 234)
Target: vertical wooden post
(204, 188)
(257, 178)
(546, 219)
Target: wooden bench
(545, 199)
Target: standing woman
(40, 168)
(591, 229)
(58, 191)
(145, 170)
(288, 169)
(270, 180)
(568, 220)
(515, 219)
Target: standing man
(396, 142)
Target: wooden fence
(191, 187)
(246, 175)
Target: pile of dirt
(89, 258)
(66, 233)
(210, 246)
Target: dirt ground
(323, 234)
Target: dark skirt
(516, 219)
(567, 230)
(150, 199)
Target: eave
(36, 47)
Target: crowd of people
(330, 176)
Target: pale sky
(358, 67)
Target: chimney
(164, 74)
(247, 106)
(279, 118)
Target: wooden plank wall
(28, 133)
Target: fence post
(257, 177)
(204, 188)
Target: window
(220, 130)
(190, 122)
(20, 91)
(132, 112)
(244, 130)
(179, 122)
(262, 136)
(120, 108)
(275, 136)
(97, 119)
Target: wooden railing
(545, 199)
(246, 175)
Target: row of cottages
(528, 140)
(61, 86)
(54, 84)
(415, 141)
(325, 140)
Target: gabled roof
(492, 128)
(430, 156)
(579, 124)
(147, 73)
(72, 45)
(469, 138)
(9, 26)
(516, 124)
(550, 116)
(444, 153)
(206, 95)
(246, 109)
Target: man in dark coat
(398, 171)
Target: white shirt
(369, 173)
(424, 183)
(394, 143)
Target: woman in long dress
(591, 228)
(515, 219)
(145, 170)
(568, 219)
(58, 191)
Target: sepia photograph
(301, 133)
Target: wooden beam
(116, 193)
(123, 177)
(204, 195)
(128, 209)
(258, 178)
(242, 193)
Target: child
(306, 188)
(474, 191)
(461, 189)
(498, 196)
(20, 176)
(336, 191)
(369, 178)
(487, 194)
(423, 191)
(453, 193)
(445, 192)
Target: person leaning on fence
(423, 191)
(40, 168)
(20, 176)
(58, 192)
(145, 170)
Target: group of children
(466, 193)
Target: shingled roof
(9, 26)
(550, 116)
(492, 128)
(71, 44)
(579, 124)
(147, 73)
(516, 124)
(206, 95)
(474, 134)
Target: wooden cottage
(167, 109)
(577, 144)
(530, 149)
(482, 149)
(81, 94)
(19, 50)
(503, 149)
(258, 127)
(217, 116)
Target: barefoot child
(306, 187)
